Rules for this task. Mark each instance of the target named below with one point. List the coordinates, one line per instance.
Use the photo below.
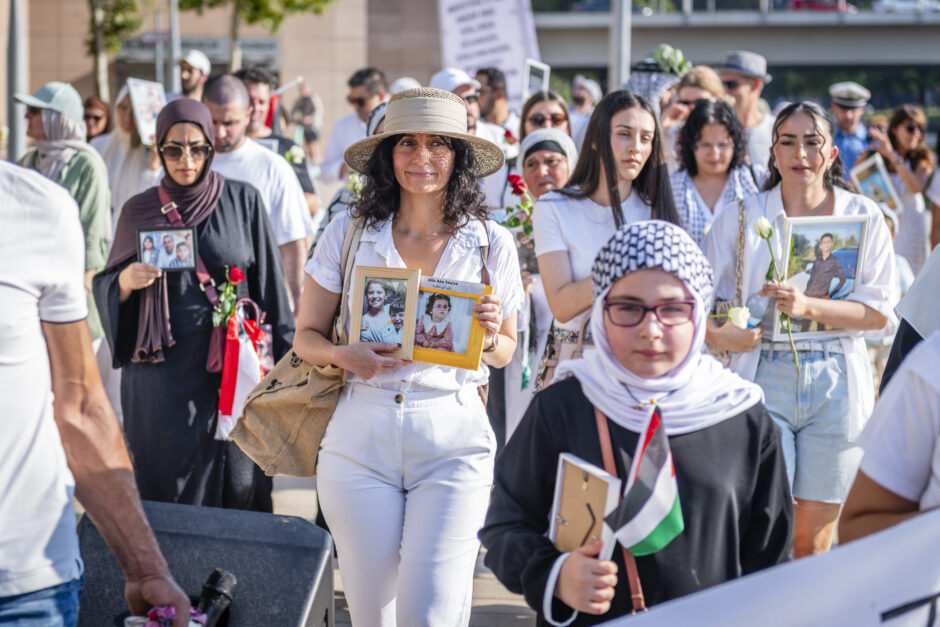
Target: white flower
(295, 154)
(738, 316)
(764, 228)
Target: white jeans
(404, 482)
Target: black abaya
(170, 408)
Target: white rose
(738, 316)
(764, 228)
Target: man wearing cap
(585, 94)
(459, 82)
(744, 75)
(368, 88)
(494, 105)
(54, 120)
(194, 72)
(847, 101)
(61, 439)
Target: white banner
(489, 33)
(890, 579)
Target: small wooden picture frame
(584, 496)
(384, 302)
(171, 249)
(453, 337)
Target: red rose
(510, 139)
(235, 276)
(518, 185)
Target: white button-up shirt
(347, 131)
(461, 261)
(875, 284)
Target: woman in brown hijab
(159, 323)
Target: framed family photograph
(446, 332)
(384, 301)
(534, 78)
(871, 179)
(168, 249)
(825, 254)
(147, 98)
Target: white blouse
(875, 285)
(460, 261)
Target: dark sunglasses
(557, 119)
(356, 102)
(688, 103)
(33, 110)
(94, 118)
(472, 98)
(910, 128)
(732, 85)
(199, 152)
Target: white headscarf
(553, 135)
(64, 138)
(919, 305)
(697, 393)
(129, 170)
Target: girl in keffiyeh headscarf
(652, 292)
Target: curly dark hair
(708, 112)
(825, 127)
(597, 156)
(433, 297)
(381, 194)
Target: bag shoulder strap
(169, 209)
(350, 246)
(739, 257)
(607, 454)
(485, 254)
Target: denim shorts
(56, 606)
(812, 411)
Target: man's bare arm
(104, 477)
(293, 255)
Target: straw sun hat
(431, 111)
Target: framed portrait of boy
(446, 331)
(824, 256)
(871, 178)
(170, 249)
(384, 301)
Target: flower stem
(796, 356)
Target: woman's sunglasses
(914, 128)
(538, 119)
(199, 152)
(93, 118)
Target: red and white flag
(241, 370)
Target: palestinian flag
(649, 515)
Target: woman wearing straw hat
(406, 463)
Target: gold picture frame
(457, 340)
(389, 320)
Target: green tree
(112, 21)
(269, 13)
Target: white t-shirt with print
(460, 261)
(902, 439)
(42, 262)
(272, 176)
(579, 227)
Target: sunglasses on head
(199, 152)
(732, 84)
(538, 119)
(356, 102)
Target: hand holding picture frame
(446, 331)
(824, 256)
(384, 304)
(871, 178)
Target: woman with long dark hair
(406, 464)
(909, 164)
(820, 409)
(713, 171)
(620, 177)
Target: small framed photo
(168, 249)
(534, 78)
(384, 300)
(147, 99)
(446, 332)
(871, 179)
(825, 255)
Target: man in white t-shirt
(459, 82)
(368, 88)
(60, 436)
(744, 75)
(239, 159)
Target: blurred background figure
(403, 84)
(194, 72)
(701, 83)
(847, 101)
(494, 105)
(368, 88)
(97, 117)
(585, 94)
(744, 75)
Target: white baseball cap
(450, 78)
(198, 60)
